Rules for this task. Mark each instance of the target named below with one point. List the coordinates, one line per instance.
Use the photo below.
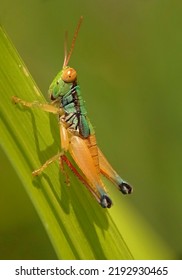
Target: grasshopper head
(62, 82)
(69, 75)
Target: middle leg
(46, 164)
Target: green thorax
(73, 104)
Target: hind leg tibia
(107, 170)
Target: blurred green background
(129, 62)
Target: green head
(62, 83)
(64, 80)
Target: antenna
(65, 48)
(67, 57)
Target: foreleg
(42, 106)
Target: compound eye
(69, 75)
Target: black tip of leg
(105, 201)
(125, 188)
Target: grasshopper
(77, 133)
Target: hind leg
(81, 155)
(107, 170)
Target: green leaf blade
(77, 226)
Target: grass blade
(77, 226)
